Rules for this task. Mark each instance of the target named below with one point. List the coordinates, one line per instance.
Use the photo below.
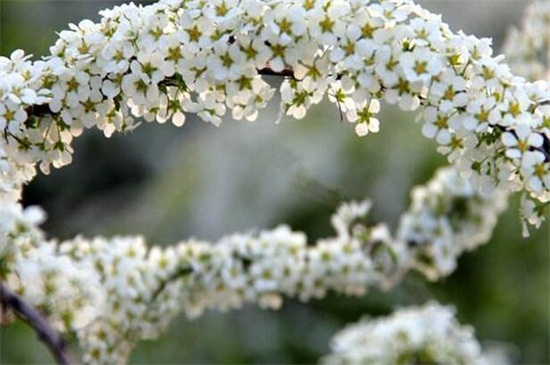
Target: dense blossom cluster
(132, 292)
(67, 292)
(147, 288)
(445, 219)
(416, 335)
(174, 57)
(527, 49)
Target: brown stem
(267, 71)
(53, 341)
(180, 272)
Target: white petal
(429, 130)
(178, 119)
(362, 129)
(535, 140)
(513, 153)
(469, 123)
(534, 184)
(374, 125)
(374, 106)
(443, 137)
(509, 139)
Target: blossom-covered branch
(132, 291)
(55, 343)
(173, 57)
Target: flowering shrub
(172, 58)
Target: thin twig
(180, 272)
(53, 341)
(286, 72)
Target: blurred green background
(170, 184)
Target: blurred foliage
(201, 181)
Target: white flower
(420, 66)
(324, 24)
(12, 116)
(347, 214)
(257, 53)
(115, 57)
(479, 113)
(227, 62)
(285, 23)
(171, 105)
(139, 85)
(364, 116)
(535, 171)
(436, 125)
(520, 140)
(532, 214)
(449, 91)
(401, 93)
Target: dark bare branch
(53, 341)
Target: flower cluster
(527, 49)
(131, 277)
(18, 226)
(446, 218)
(67, 292)
(416, 335)
(173, 57)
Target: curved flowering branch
(174, 57)
(55, 343)
(135, 291)
(416, 335)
